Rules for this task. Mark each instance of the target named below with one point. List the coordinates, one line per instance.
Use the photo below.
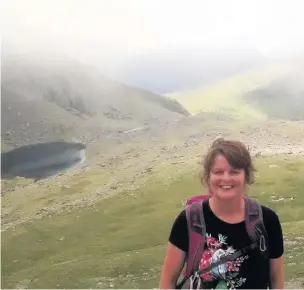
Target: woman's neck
(232, 211)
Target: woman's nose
(226, 176)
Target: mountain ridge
(59, 93)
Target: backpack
(197, 237)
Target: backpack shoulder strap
(197, 234)
(254, 223)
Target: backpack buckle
(192, 280)
(262, 241)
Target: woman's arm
(172, 267)
(277, 273)
(176, 253)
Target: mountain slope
(226, 97)
(282, 98)
(48, 96)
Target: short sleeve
(275, 233)
(179, 232)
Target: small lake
(42, 160)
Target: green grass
(11, 184)
(226, 96)
(121, 241)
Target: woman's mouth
(226, 187)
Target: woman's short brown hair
(236, 154)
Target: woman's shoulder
(269, 214)
(181, 219)
(179, 232)
(271, 221)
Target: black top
(247, 272)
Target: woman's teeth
(226, 186)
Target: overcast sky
(135, 26)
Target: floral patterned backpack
(194, 272)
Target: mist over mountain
(180, 68)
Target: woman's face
(226, 182)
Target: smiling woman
(242, 240)
(39, 161)
(228, 168)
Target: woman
(228, 170)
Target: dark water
(40, 161)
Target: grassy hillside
(47, 96)
(226, 96)
(107, 245)
(282, 98)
